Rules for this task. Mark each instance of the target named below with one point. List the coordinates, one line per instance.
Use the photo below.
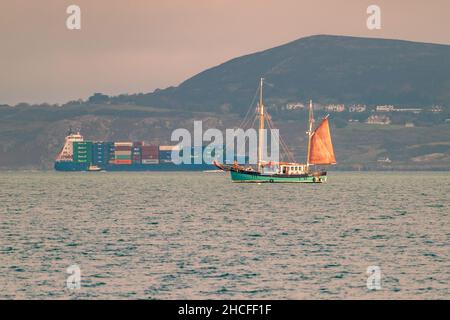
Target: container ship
(78, 154)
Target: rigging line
(253, 122)
(284, 146)
(246, 123)
(250, 108)
(246, 119)
(228, 144)
(278, 135)
(251, 115)
(272, 126)
(287, 150)
(268, 83)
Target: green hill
(327, 69)
(324, 68)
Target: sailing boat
(320, 152)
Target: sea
(196, 235)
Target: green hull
(255, 177)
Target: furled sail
(321, 148)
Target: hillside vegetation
(326, 69)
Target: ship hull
(255, 177)
(68, 166)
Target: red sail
(321, 148)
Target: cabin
(385, 108)
(292, 168)
(378, 119)
(335, 108)
(284, 168)
(357, 108)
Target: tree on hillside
(98, 98)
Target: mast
(261, 125)
(310, 132)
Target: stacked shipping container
(82, 152)
(122, 152)
(110, 149)
(100, 153)
(128, 153)
(165, 153)
(150, 155)
(137, 152)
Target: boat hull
(74, 166)
(248, 177)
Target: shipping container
(122, 148)
(165, 155)
(136, 151)
(101, 161)
(150, 149)
(82, 152)
(150, 161)
(123, 144)
(111, 148)
(169, 148)
(149, 157)
(122, 153)
(138, 143)
(99, 150)
(122, 158)
(120, 161)
(150, 152)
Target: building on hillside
(385, 108)
(378, 119)
(335, 108)
(384, 160)
(318, 106)
(436, 109)
(413, 110)
(295, 106)
(357, 108)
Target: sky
(132, 46)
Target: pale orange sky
(137, 46)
